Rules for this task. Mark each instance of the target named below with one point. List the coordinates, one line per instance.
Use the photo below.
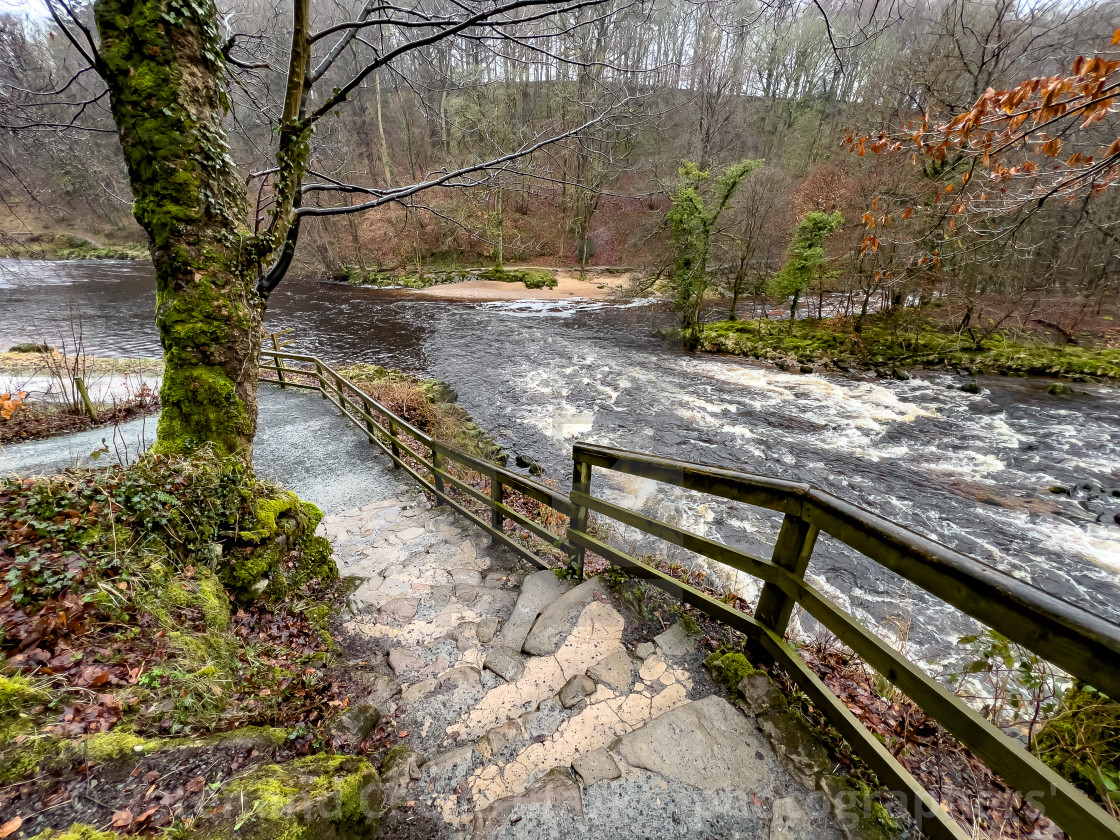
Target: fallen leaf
(195, 785)
(11, 826)
(122, 819)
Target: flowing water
(972, 471)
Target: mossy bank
(532, 278)
(169, 621)
(63, 246)
(888, 345)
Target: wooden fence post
(279, 369)
(393, 443)
(497, 520)
(437, 464)
(792, 552)
(367, 413)
(581, 481)
(80, 384)
(319, 376)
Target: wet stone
(399, 770)
(504, 662)
(616, 671)
(576, 689)
(796, 743)
(383, 691)
(487, 629)
(760, 695)
(595, 767)
(558, 618)
(676, 641)
(399, 611)
(498, 738)
(556, 788)
(544, 722)
(356, 722)
(403, 662)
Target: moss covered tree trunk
(163, 64)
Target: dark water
(972, 471)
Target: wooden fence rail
(1079, 643)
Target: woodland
(620, 95)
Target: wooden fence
(1085, 646)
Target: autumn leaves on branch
(989, 167)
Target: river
(973, 471)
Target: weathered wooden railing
(1085, 646)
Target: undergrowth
(124, 602)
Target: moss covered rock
(729, 668)
(283, 525)
(315, 798)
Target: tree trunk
(162, 62)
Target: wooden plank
(791, 552)
(758, 490)
(496, 496)
(290, 384)
(729, 556)
(931, 817)
(1067, 635)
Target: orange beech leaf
(1051, 147)
(908, 212)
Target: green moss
(533, 278)
(304, 799)
(887, 341)
(17, 695)
(729, 669)
(200, 407)
(282, 524)
(114, 745)
(78, 831)
(27, 758)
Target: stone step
(558, 618)
(538, 590)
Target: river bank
(40, 395)
(888, 345)
(510, 284)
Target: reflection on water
(973, 471)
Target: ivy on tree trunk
(163, 65)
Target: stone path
(531, 713)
